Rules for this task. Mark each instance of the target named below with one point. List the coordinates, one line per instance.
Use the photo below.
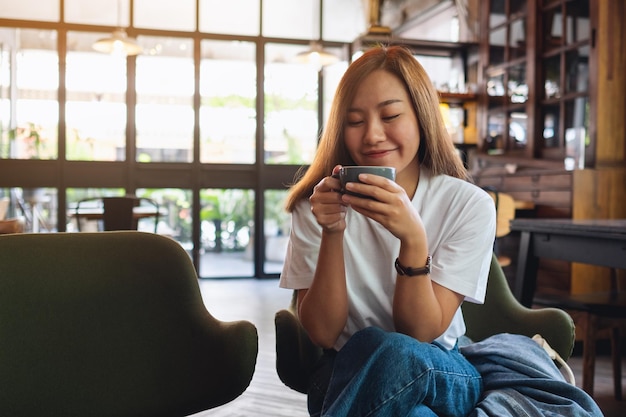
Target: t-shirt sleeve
(302, 249)
(463, 257)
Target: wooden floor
(258, 300)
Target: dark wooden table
(595, 242)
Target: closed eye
(390, 118)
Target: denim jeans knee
(390, 374)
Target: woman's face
(381, 126)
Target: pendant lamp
(119, 43)
(316, 55)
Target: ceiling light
(317, 56)
(118, 44)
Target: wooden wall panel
(611, 103)
(601, 193)
(598, 194)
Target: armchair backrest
(503, 313)
(112, 324)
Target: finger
(366, 192)
(332, 182)
(378, 181)
(326, 185)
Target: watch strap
(411, 272)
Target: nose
(374, 132)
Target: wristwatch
(411, 272)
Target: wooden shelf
(456, 97)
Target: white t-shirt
(459, 219)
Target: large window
(228, 102)
(29, 81)
(227, 224)
(165, 86)
(291, 117)
(230, 20)
(95, 110)
(212, 121)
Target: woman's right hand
(326, 204)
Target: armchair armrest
(296, 355)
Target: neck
(409, 178)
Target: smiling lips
(377, 154)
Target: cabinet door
(563, 126)
(506, 76)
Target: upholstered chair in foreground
(112, 324)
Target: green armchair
(501, 313)
(112, 324)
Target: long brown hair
(436, 150)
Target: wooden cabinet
(551, 77)
(535, 80)
(552, 72)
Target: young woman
(380, 281)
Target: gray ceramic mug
(351, 174)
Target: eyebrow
(379, 106)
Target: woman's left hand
(389, 205)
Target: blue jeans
(520, 379)
(381, 374)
